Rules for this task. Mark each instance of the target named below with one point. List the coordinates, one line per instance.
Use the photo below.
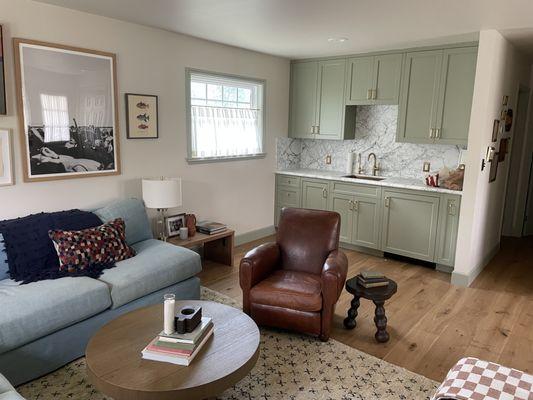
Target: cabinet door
(360, 80)
(418, 100)
(410, 224)
(315, 194)
(304, 87)
(387, 74)
(343, 204)
(330, 109)
(455, 95)
(448, 225)
(366, 225)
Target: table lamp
(161, 194)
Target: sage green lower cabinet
(447, 232)
(288, 194)
(410, 224)
(366, 226)
(315, 194)
(342, 203)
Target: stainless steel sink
(367, 177)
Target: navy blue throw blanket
(30, 251)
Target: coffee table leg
(381, 322)
(349, 321)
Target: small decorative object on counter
(349, 162)
(454, 179)
(184, 233)
(432, 180)
(190, 221)
(187, 319)
(169, 311)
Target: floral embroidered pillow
(100, 247)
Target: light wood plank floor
(432, 323)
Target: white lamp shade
(162, 192)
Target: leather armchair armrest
(256, 265)
(334, 276)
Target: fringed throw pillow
(100, 247)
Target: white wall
(151, 61)
(500, 70)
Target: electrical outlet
(427, 166)
(328, 159)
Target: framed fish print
(6, 162)
(141, 116)
(69, 118)
(3, 106)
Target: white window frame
(252, 81)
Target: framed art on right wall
(6, 158)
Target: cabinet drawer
(288, 197)
(286, 180)
(353, 188)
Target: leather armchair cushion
(296, 290)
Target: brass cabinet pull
(374, 94)
(451, 208)
(437, 133)
(387, 201)
(312, 129)
(431, 131)
(350, 207)
(318, 130)
(324, 193)
(369, 94)
(356, 205)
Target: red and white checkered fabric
(473, 379)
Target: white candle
(169, 313)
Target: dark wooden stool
(378, 295)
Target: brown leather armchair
(296, 282)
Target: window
(55, 118)
(225, 117)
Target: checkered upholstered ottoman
(473, 379)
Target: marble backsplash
(375, 131)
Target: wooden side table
(218, 247)
(378, 295)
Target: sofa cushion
(296, 290)
(39, 308)
(4, 266)
(133, 213)
(7, 392)
(156, 266)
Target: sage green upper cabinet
(317, 100)
(315, 194)
(330, 118)
(410, 224)
(419, 97)
(455, 98)
(436, 96)
(374, 79)
(304, 87)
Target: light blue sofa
(44, 325)
(7, 392)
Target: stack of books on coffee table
(372, 279)
(179, 348)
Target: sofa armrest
(334, 276)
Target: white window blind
(226, 117)
(55, 118)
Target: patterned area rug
(290, 367)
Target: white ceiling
(301, 28)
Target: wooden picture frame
(3, 97)
(75, 90)
(495, 129)
(7, 175)
(493, 173)
(174, 223)
(142, 116)
(503, 150)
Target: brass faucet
(375, 168)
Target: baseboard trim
(444, 268)
(465, 280)
(254, 235)
(361, 249)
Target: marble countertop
(402, 183)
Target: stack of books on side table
(372, 279)
(179, 348)
(210, 227)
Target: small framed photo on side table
(174, 223)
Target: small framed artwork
(142, 116)
(505, 100)
(6, 158)
(3, 106)
(504, 149)
(493, 173)
(508, 120)
(503, 114)
(495, 129)
(174, 223)
(68, 113)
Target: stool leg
(349, 321)
(381, 322)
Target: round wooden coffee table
(115, 366)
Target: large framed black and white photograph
(69, 118)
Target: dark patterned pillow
(101, 246)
